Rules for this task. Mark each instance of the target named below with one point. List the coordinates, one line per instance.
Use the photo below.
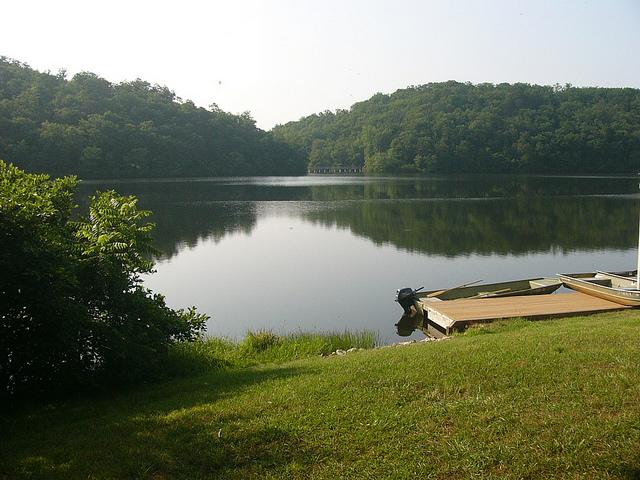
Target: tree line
(454, 127)
(90, 127)
(96, 129)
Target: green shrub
(72, 307)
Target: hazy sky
(283, 59)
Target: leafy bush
(72, 306)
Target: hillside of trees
(90, 127)
(456, 127)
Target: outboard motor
(406, 296)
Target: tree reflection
(440, 215)
(496, 226)
(180, 226)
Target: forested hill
(459, 127)
(95, 129)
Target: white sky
(283, 59)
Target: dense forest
(96, 129)
(456, 127)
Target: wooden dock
(446, 316)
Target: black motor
(406, 296)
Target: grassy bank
(261, 347)
(556, 399)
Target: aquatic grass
(203, 355)
(300, 345)
(259, 347)
(261, 340)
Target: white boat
(619, 287)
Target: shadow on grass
(166, 431)
(629, 472)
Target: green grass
(554, 399)
(261, 347)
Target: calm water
(328, 253)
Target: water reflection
(364, 188)
(318, 253)
(499, 226)
(409, 323)
(438, 216)
(433, 227)
(474, 187)
(184, 225)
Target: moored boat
(408, 297)
(618, 287)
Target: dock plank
(464, 311)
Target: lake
(324, 253)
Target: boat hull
(530, 286)
(610, 287)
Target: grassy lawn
(554, 399)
